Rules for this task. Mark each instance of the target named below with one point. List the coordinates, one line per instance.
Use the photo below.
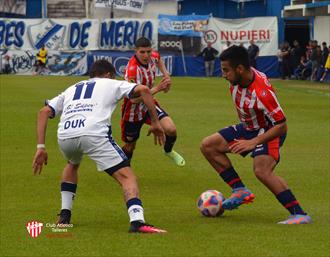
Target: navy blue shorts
(132, 130)
(271, 148)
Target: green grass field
(199, 107)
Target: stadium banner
(178, 44)
(16, 7)
(120, 60)
(183, 25)
(126, 5)
(262, 30)
(77, 35)
(58, 63)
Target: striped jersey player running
(261, 132)
(141, 68)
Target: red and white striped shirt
(257, 105)
(138, 73)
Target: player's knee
(126, 176)
(261, 173)
(206, 146)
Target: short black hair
(100, 68)
(142, 42)
(236, 55)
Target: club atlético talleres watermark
(58, 230)
(34, 228)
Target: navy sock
(133, 201)
(231, 177)
(70, 187)
(169, 143)
(288, 200)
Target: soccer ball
(210, 203)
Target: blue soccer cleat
(239, 196)
(297, 220)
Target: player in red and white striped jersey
(141, 68)
(261, 131)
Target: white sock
(67, 199)
(135, 213)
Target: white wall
(322, 29)
(151, 10)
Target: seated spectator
(304, 69)
(307, 71)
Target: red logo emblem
(34, 228)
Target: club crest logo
(34, 228)
(47, 33)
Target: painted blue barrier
(190, 66)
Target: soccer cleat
(239, 196)
(297, 219)
(65, 217)
(139, 227)
(177, 158)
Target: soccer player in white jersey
(261, 131)
(85, 128)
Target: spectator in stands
(325, 53)
(209, 54)
(285, 52)
(304, 69)
(309, 48)
(295, 55)
(253, 52)
(324, 57)
(326, 67)
(316, 57)
(6, 66)
(41, 59)
(280, 59)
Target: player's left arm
(162, 68)
(163, 85)
(274, 112)
(41, 155)
(241, 146)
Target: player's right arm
(52, 108)
(155, 127)
(41, 155)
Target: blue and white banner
(58, 63)
(185, 25)
(120, 60)
(84, 34)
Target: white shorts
(103, 150)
